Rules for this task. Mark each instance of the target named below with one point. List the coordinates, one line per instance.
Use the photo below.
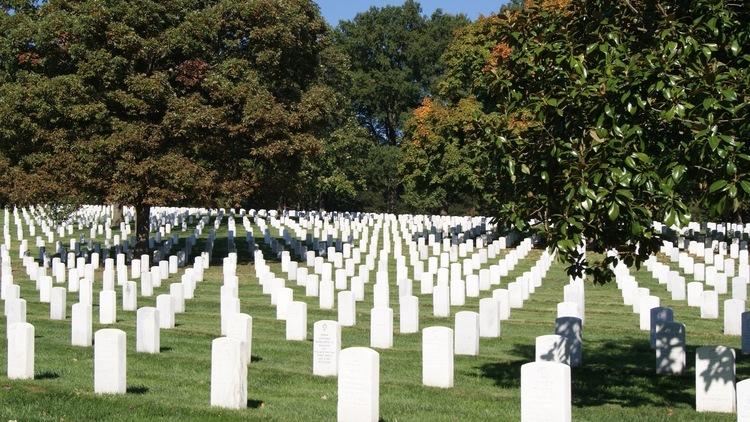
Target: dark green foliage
(150, 103)
(601, 117)
(394, 53)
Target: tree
(394, 54)
(152, 103)
(334, 179)
(441, 158)
(602, 116)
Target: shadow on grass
(46, 375)
(165, 349)
(254, 358)
(621, 373)
(254, 404)
(137, 389)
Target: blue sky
(336, 10)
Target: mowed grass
(616, 381)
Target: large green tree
(151, 103)
(394, 54)
(441, 160)
(603, 116)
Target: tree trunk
(142, 221)
(116, 215)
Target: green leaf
(614, 211)
(729, 94)
(745, 185)
(719, 184)
(734, 47)
(677, 172)
(713, 142)
(731, 168)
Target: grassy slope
(617, 380)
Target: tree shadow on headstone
(720, 366)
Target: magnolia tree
(147, 103)
(599, 117)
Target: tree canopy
(394, 54)
(149, 103)
(599, 117)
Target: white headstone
(347, 309)
(733, 309)
(107, 307)
(646, 304)
(659, 315)
(670, 347)
(296, 321)
(466, 333)
(572, 329)
(743, 400)
(326, 347)
(568, 309)
(20, 351)
(552, 348)
(240, 327)
(228, 373)
(381, 328)
(110, 364)
(458, 292)
(515, 295)
(326, 294)
(503, 301)
(358, 385)
(714, 379)
(545, 392)
(81, 325)
(177, 292)
(57, 306)
(166, 311)
(441, 301)
(408, 314)
(148, 339)
(437, 357)
(709, 304)
(489, 318)
(694, 293)
(381, 295)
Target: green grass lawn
(616, 381)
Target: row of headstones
(358, 373)
(715, 365)
(707, 301)
(676, 285)
(167, 305)
(667, 336)
(486, 322)
(633, 295)
(312, 241)
(704, 271)
(442, 297)
(324, 270)
(410, 225)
